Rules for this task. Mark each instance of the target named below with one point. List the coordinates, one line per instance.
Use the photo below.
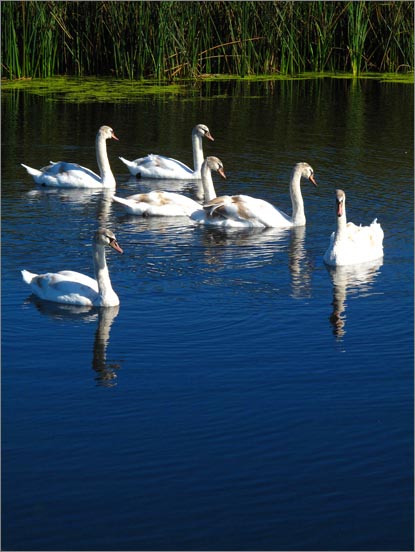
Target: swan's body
(171, 204)
(72, 175)
(74, 288)
(351, 244)
(158, 166)
(158, 203)
(241, 211)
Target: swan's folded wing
(65, 287)
(263, 211)
(68, 281)
(369, 237)
(247, 208)
(158, 198)
(221, 206)
(166, 163)
(58, 167)
(70, 174)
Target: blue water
(242, 397)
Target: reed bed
(167, 40)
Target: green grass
(174, 40)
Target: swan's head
(340, 202)
(306, 171)
(214, 164)
(106, 237)
(203, 131)
(106, 132)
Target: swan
(171, 204)
(351, 244)
(72, 175)
(74, 288)
(242, 211)
(158, 166)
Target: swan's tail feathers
(28, 276)
(33, 172)
(377, 231)
(126, 162)
(120, 200)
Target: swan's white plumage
(159, 166)
(241, 211)
(75, 288)
(158, 203)
(71, 175)
(352, 244)
(171, 204)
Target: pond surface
(242, 397)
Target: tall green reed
(358, 25)
(170, 39)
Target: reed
(168, 40)
(358, 25)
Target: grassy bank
(167, 40)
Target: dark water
(242, 397)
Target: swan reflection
(65, 195)
(300, 265)
(106, 371)
(257, 246)
(252, 246)
(346, 280)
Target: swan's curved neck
(107, 296)
(197, 152)
(298, 215)
(103, 163)
(207, 182)
(341, 223)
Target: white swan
(171, 204)
(72, 175)
(74, 288)
(158, 166)
(351, 244)
(241, 211)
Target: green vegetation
(97, 89)
(176, 40)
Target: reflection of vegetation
(167, 40)
(89, 90)
(93, 89)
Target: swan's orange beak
(313, 180)
(113, 136)
(339, 208)
(222, 173)
(208, 135)
(114, 244)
